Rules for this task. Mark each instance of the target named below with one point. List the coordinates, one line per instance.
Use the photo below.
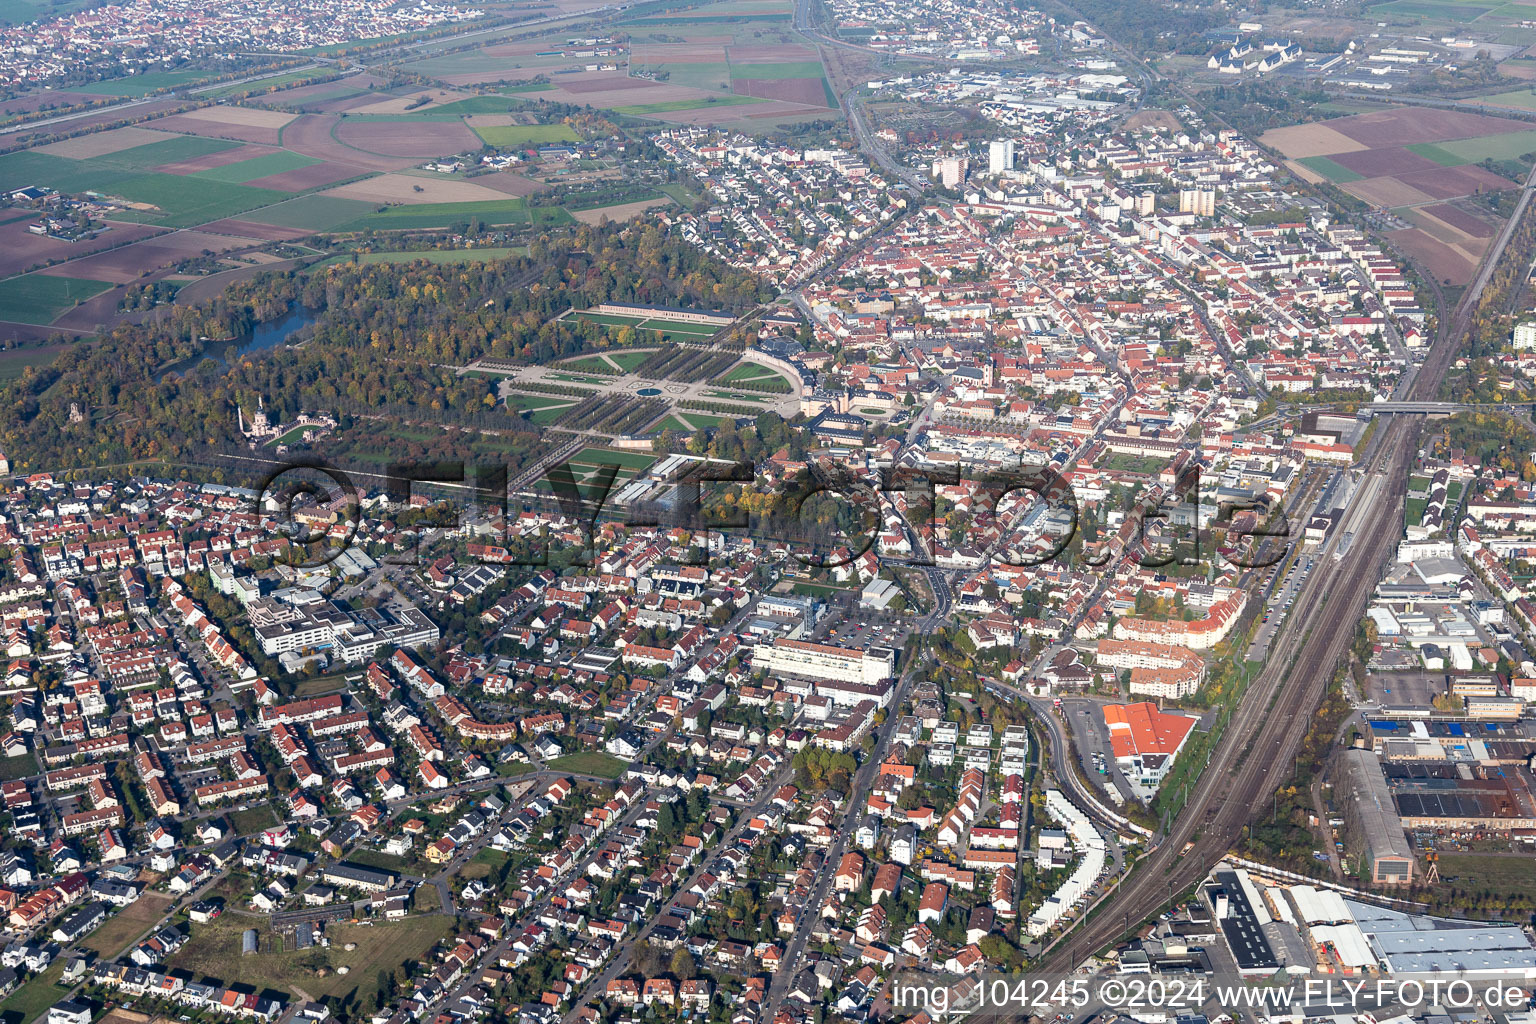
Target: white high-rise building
(1000, 156)
(950, 170)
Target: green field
(102, 173)
(590, 762)
(14, 12)
(763, 376)
(484, 254)
(166, 151)
(33, 999)
(13, 363)
(127, 924)
(257, 167)
(275, 82)
(1506, 872)
(592, 457)
(542, 408)
(435, 215)
(149, 81)
(39, 299)
(629, 361)
(589, 364)
(735, 396)
(668, 106)
(1449, 11)
(1334, 172)
(317, 213)
(214, 951)
(1508, 146)
(526, 134)
(1524, 98)
(183, 202)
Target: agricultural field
(231, 179)
(40, 299)
(718, 64)
(1411, 160)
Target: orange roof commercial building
(1145, 740)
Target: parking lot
(1282, 596)
(1090, 738)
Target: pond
(262, 337)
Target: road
(863, 779)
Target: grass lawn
(590, 762)
(1509, 873)
(736, 396)
(612, 319)
(673, 422)
(1334, 172)
(255, 819)
(379, 859)
(482, 864)
(520, 403)
(33, 999)
(149, 81)
(588, 364)
(39, 299)
(257, 167)
(127, 924)
(14, 12)
(487, 104)
(821, 589)
(526, 134)
(1449, 11)
(214, 950)
(630, 361)
(18, 767)
(484, 254)
(636, 461)
(1413, 510)
(1123, 463)
(321, 684)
